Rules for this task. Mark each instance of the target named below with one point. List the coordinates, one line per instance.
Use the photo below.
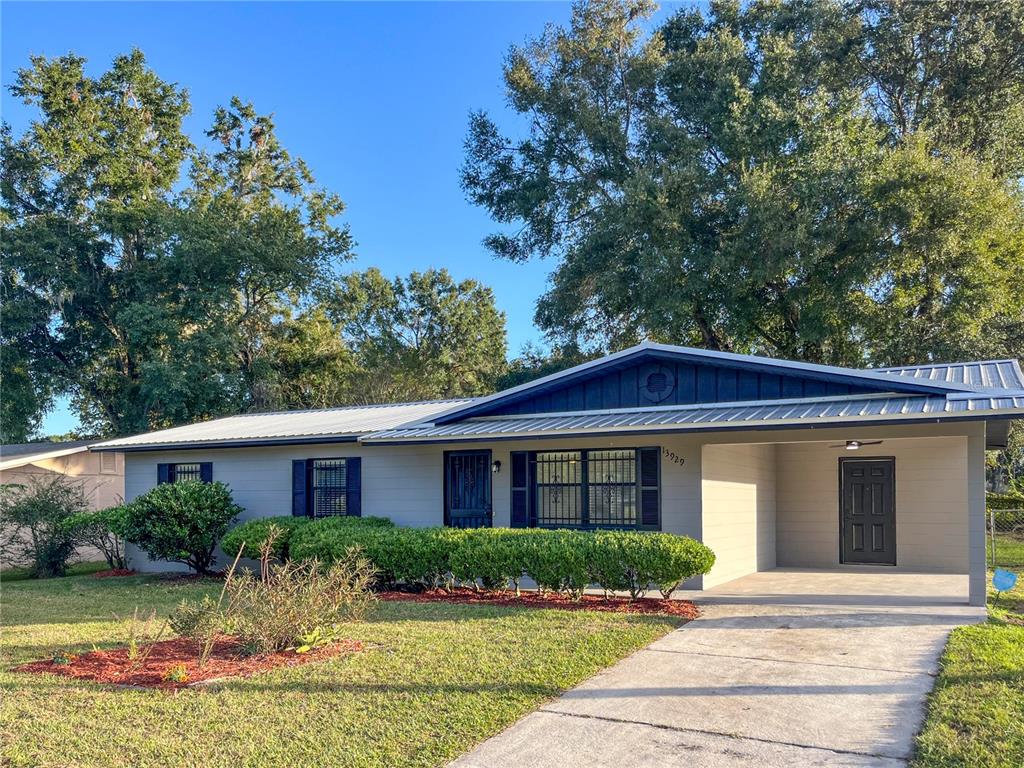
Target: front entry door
(467, 489)
(868, 511)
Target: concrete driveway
(785, 668)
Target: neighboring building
(100, 474)
(770, 462)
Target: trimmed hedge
(557, 560)
(1004, 501)
(254, 532)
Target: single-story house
(772, 463)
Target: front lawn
(976, 712)
(434, 680)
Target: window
(612, 487)
(559, 488)
(329, 487)
(180, 473)
(601, 488)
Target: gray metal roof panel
(810, 412)
(255, 427)
(983, 374)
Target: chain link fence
(1005, 538)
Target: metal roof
(284, 426)
(984, 374)
(803, 412)
(776, 365)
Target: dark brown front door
(868, 511)
(467, 489)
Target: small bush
(197, 620)
(252, 534)
(287, 604)
(104, 530)
(181, 522)
(34, 524)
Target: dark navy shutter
(520, 513)
(206, 471)
(163, 474)
(300, 508)
(650, 491)
(354, 487)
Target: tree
(181, 522)
(808, 180)
(421, 337)
(34, 527)
(145, 296)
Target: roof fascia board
(254, 443)
(737, 427)
(901, 384)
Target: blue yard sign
(1003, 581)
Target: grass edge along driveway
(976, 711)
(435, 680)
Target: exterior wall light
(496, 466)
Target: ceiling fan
(853, 445)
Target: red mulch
(114, 572)
(226, 660)
(467, 596)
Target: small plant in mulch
(467, 596)
(176, 673)
(62, 658)
(287, 615)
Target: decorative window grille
(329, 484)
(591, 489)
(181, 473)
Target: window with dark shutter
(597, 488)
(327, 487)
(180, 473)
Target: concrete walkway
(785, 668)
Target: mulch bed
(226, 660)
(467, 596)
(113, 572)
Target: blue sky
(374, 96)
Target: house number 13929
(675, 458)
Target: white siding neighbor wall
(738, 488)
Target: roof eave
(748, 426)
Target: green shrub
(557, 560)
(998, 501)
(34, 524)
(181, 522)
(492, 556)
(251, 534)
(104, 530)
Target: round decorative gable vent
(657, 383)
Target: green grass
(976, 712)
(434, 680)
(75, 569)
(1009, 550)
